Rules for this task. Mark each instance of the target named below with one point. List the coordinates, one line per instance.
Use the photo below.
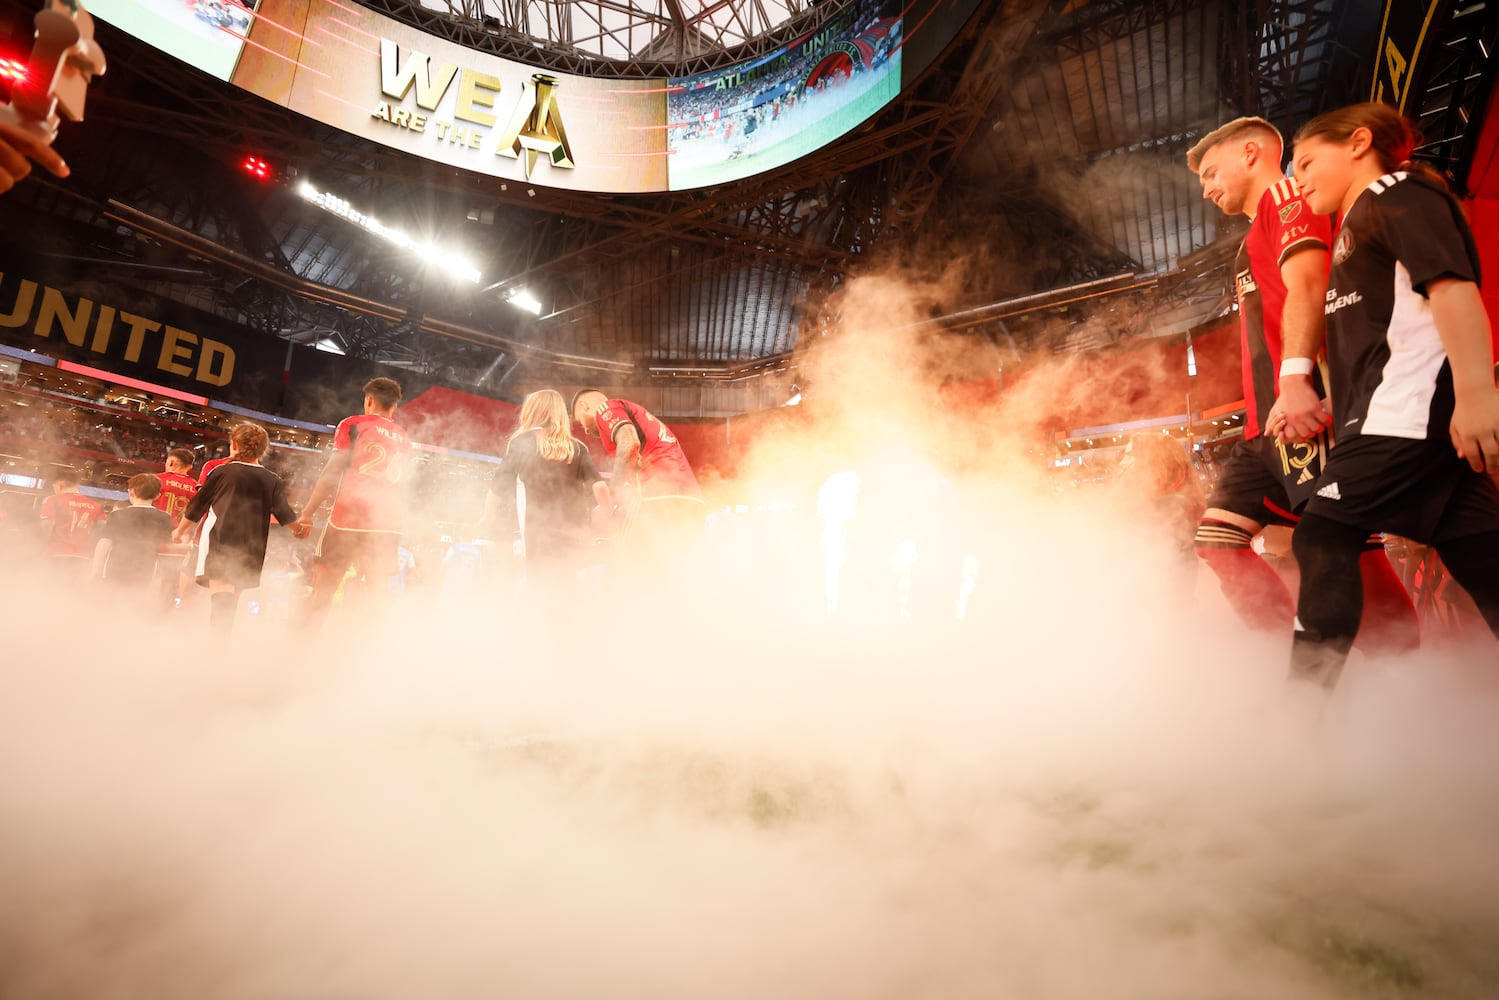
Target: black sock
(1331, 601)
(223, 605)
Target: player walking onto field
(236, 505)
(1281, 278)
(562, 488)
(364, 479)
(133, 536)
(1411, 359)
(177, 484)
(68, 521)
(652, 482)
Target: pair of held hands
(185, 528)
(18, 150)
(1299, 415)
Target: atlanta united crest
(1343, 247)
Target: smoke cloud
(1095, 784)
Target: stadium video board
(395, 85)
(759, 115)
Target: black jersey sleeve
(280, 506)
(517, 457)
(587, 471)
(1427, 233)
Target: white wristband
(1297, 366)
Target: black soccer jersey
(1390, 374)
(236, 504)
(559, 495)
(135, 534)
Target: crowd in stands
(107, 445)
(39, 427)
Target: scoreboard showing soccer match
(759, 115)
(393, 84)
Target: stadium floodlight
(453, 263)
(522, 299)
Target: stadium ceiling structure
(1041, 156)
(634, 32)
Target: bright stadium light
(454, 263)
(522, 299)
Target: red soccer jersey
(176, 491)
(72, 516)
(1284, 225)
(369, 497)
(664, 470)
(208, 467)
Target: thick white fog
(1095, 785)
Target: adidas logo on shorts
(1330, 491)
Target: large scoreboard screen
(393, 84)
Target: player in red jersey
(652, 482)
(68, 522)
(210, 465)
(177, 484)
(364, 478)
(178, 488)
(1281, 279)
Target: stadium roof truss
(1048, 139)
(618, 37)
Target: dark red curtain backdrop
(1149, 381)
(1483, 210)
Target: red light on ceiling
(256, 168)
(13, 70)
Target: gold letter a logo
(537, 130)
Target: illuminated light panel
(454, 263)
(13, 70)
(522, 299)
(134, 383)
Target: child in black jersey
(1415, 411)
(236, 503)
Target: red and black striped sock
(1250, 584)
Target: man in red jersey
(363, 477)
(178, 487)
(177, 484)
(1281, 279)
(209, 466)
(652, 482)
(68, 522)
